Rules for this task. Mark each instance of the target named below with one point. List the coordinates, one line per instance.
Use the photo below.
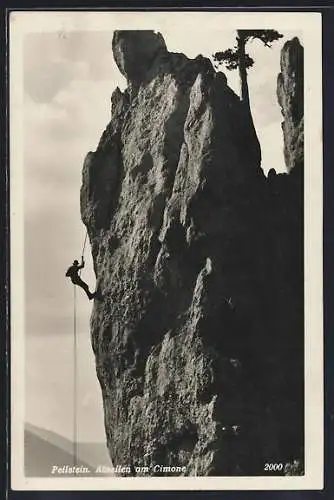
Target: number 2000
(273, 466)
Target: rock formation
(198, 331)
(290, 93)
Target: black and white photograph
(166, 250)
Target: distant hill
(44, 449)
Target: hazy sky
(69, 77)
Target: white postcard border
(310, 24)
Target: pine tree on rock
(238, 57)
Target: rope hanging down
(75, 370)
(75, 374)
(75, 437)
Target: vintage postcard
(166, 250)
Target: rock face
(290, 93)
(196, 334)
(135, 51)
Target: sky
(69, 76)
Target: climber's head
(75, 263)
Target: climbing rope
(75, 369)
(83, 249)
(75, 437)
(84, 245)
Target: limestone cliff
(290, 93)
(197, 294)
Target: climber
(73, 273)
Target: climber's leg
(85, 287)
